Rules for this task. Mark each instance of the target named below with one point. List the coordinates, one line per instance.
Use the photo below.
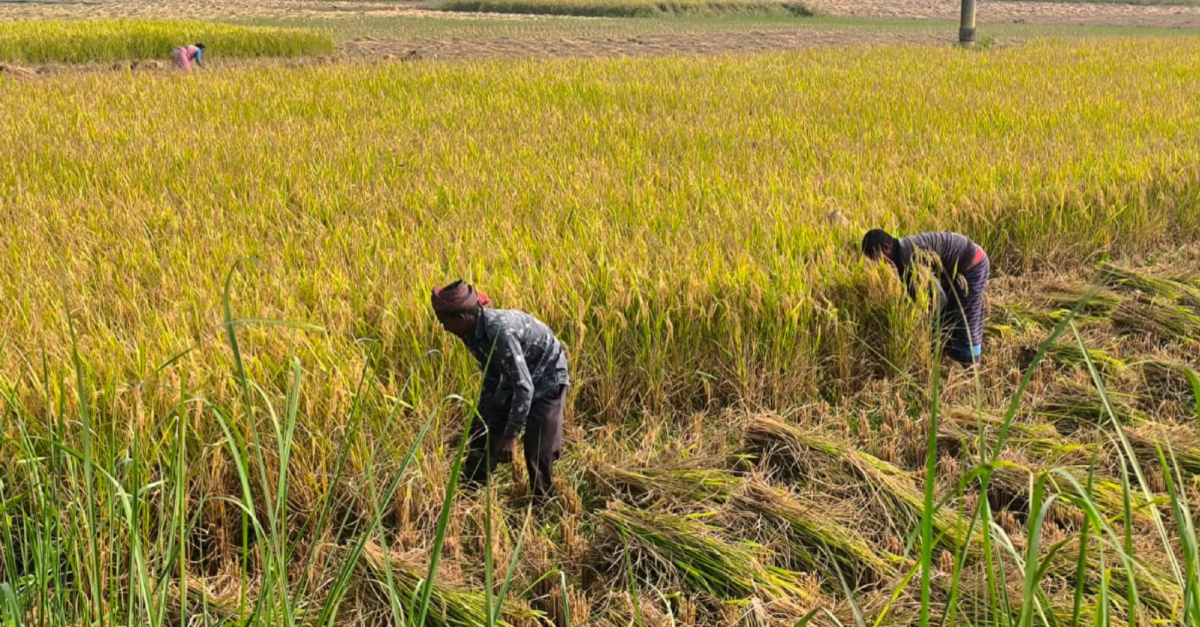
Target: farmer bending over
(962, 271)
(524, 384)
(184, 55)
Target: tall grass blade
(1081, 565)
(1038, 507)
(439, 540)
(512, 567)
(927, 511)
(562, 582)
(94, 566)
(1185, 526)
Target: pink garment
(183, 55)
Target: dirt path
(225, 10)
(612, 46)
(1022, 12)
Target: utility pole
(966, 24)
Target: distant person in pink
(183, 56)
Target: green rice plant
(1185, 526)
(87, 41)
(696, 552)
(633, 8)
(1159, 596)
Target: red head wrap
(458, 297)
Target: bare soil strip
(1022, 12)
(682, 44)
(229, 10)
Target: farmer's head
(457, 307)
(878, 244)
(200, 46)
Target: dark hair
(200, 46)
(874, 241)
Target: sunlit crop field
(83, 41)
(754, 416)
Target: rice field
(226, 400)
(82, 41)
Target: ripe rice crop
(87, 41)
(683, 202)
(226, 401)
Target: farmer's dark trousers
(543, 443)
(962, 318)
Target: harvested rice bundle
(1167, 321)
(817, 534)
(1099, 302)
(1072, 405)
(1011, 483)
(450, 606)
(960, 427)
(1006, 319)
(1176, 289)
(1167, 379)
(1179, 441)
(695, 551)
(691, 484)
(1068, 354)
(894, 490)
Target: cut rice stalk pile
(1163, 319)
(1098, 302)
(1014, 482)
(960, 428)
(1179, 442)
(450, 606)
(1068, 354)
(1072, 405)
(1168, 379)
(695, 552)
(895, 491)
(816, 535)
(1178, 289)
(691, 484)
